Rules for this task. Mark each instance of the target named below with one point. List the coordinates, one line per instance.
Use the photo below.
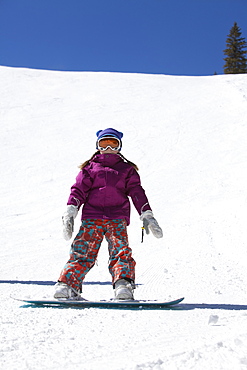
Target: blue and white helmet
(109, 132)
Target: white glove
(149, 222)
(68, 221)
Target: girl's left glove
(68, 221)
(149, 223)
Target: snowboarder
(103, 186)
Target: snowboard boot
(123, 290)
(63, 290)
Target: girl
(103, 186)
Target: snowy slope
(188, 135)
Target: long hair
(129, 162)
(98, 152)
(84, 164)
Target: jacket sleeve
(136, 192)
(79, 190)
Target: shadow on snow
(212, 306)
(34, 282)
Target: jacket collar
(107, 159)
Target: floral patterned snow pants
(85, 248)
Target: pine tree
(235, 53)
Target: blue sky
(174, 37)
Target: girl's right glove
(149, 223)
(68, 221)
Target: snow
(188, 137)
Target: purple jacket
(104, 185)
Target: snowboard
(83, 303)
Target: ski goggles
(108, 142)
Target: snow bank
(188, 137)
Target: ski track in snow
(188, 136)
